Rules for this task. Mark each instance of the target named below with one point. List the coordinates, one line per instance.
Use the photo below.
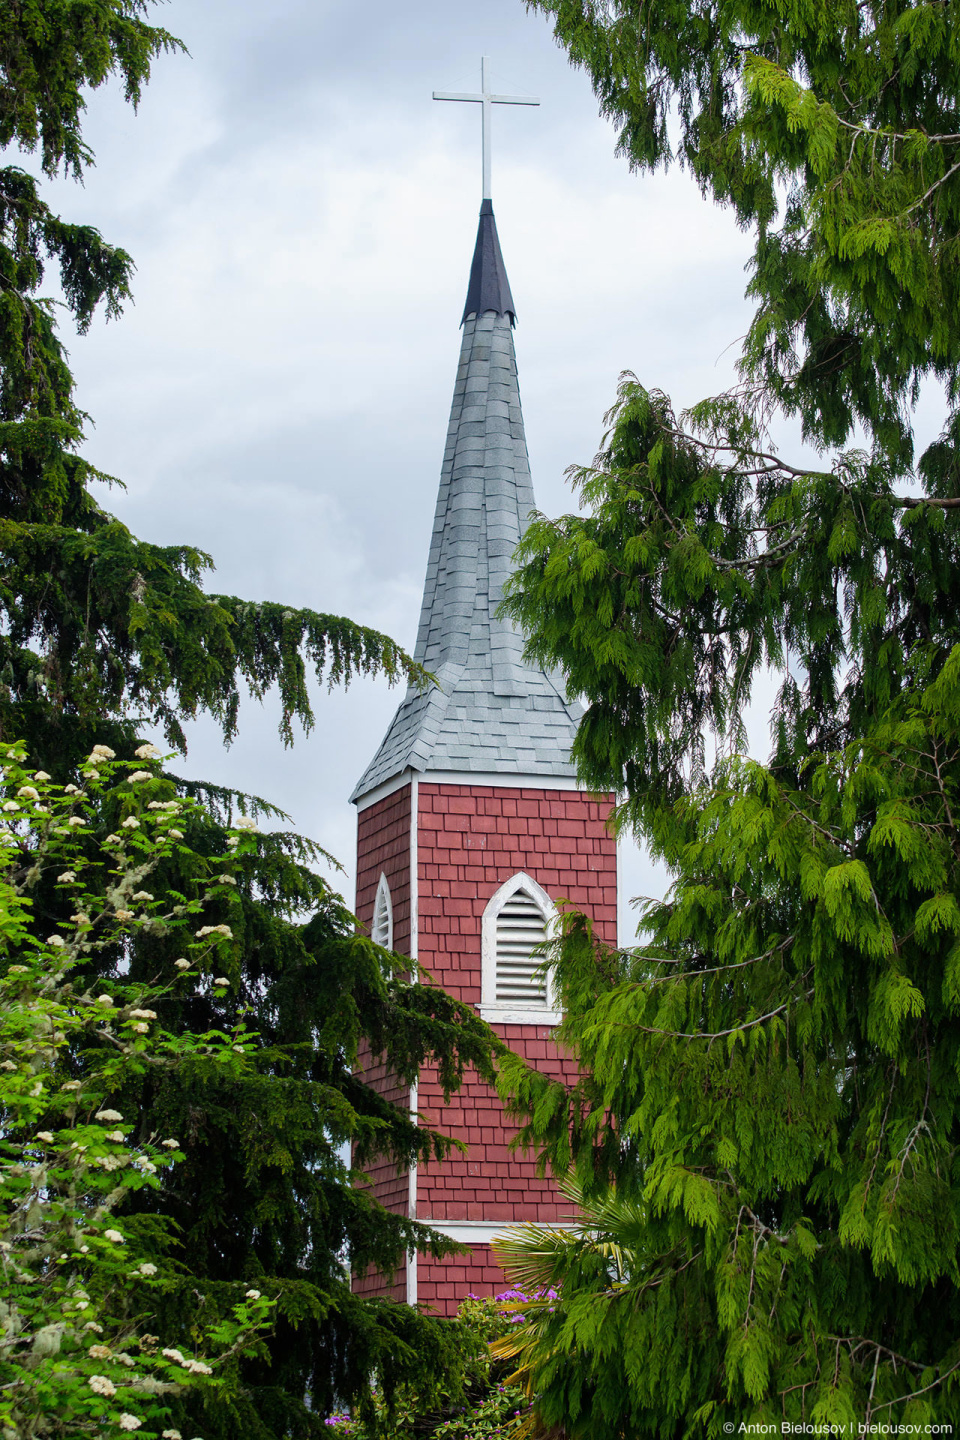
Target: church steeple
(471, 824)
(492, 713)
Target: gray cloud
(302, 216)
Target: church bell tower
(471, 823)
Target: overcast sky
(302, 217)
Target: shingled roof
(492, 713)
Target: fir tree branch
(707, 1034)
(692, 973)
(934, 1384)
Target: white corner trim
(482, 1232)
(618, 851)
(532, 1015)
(414, 1088)
(412, 1177)
(414, 875)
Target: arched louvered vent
(521, 927)
(381, 932)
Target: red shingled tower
(471, 823)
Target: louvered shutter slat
(380, 930)
(521, 927)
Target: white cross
(487, 99)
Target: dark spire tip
(489, 288)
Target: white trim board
(510, 1015)
(482, 1232)
(470, 777)
(413, 946)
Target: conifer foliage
(830, 127)
(770, 1079)
(96, 623)
(765, 1130)
(101, 634)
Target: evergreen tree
(99, 630)
(831, 129)
(771, 1077)
(100, 634)
(765, 1129)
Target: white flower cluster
(100, 1385)
(108, 1116)
(102, 752)
(181, 964)
(143, 1014)
(243, 822)
(173, 807)
(196, 1367)
(147, 752)
(128, 1422)
(223, 930)
(138, 776)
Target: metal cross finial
(487, 99)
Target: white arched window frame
(381, 931)
(508, 916)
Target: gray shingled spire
(492, 713)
